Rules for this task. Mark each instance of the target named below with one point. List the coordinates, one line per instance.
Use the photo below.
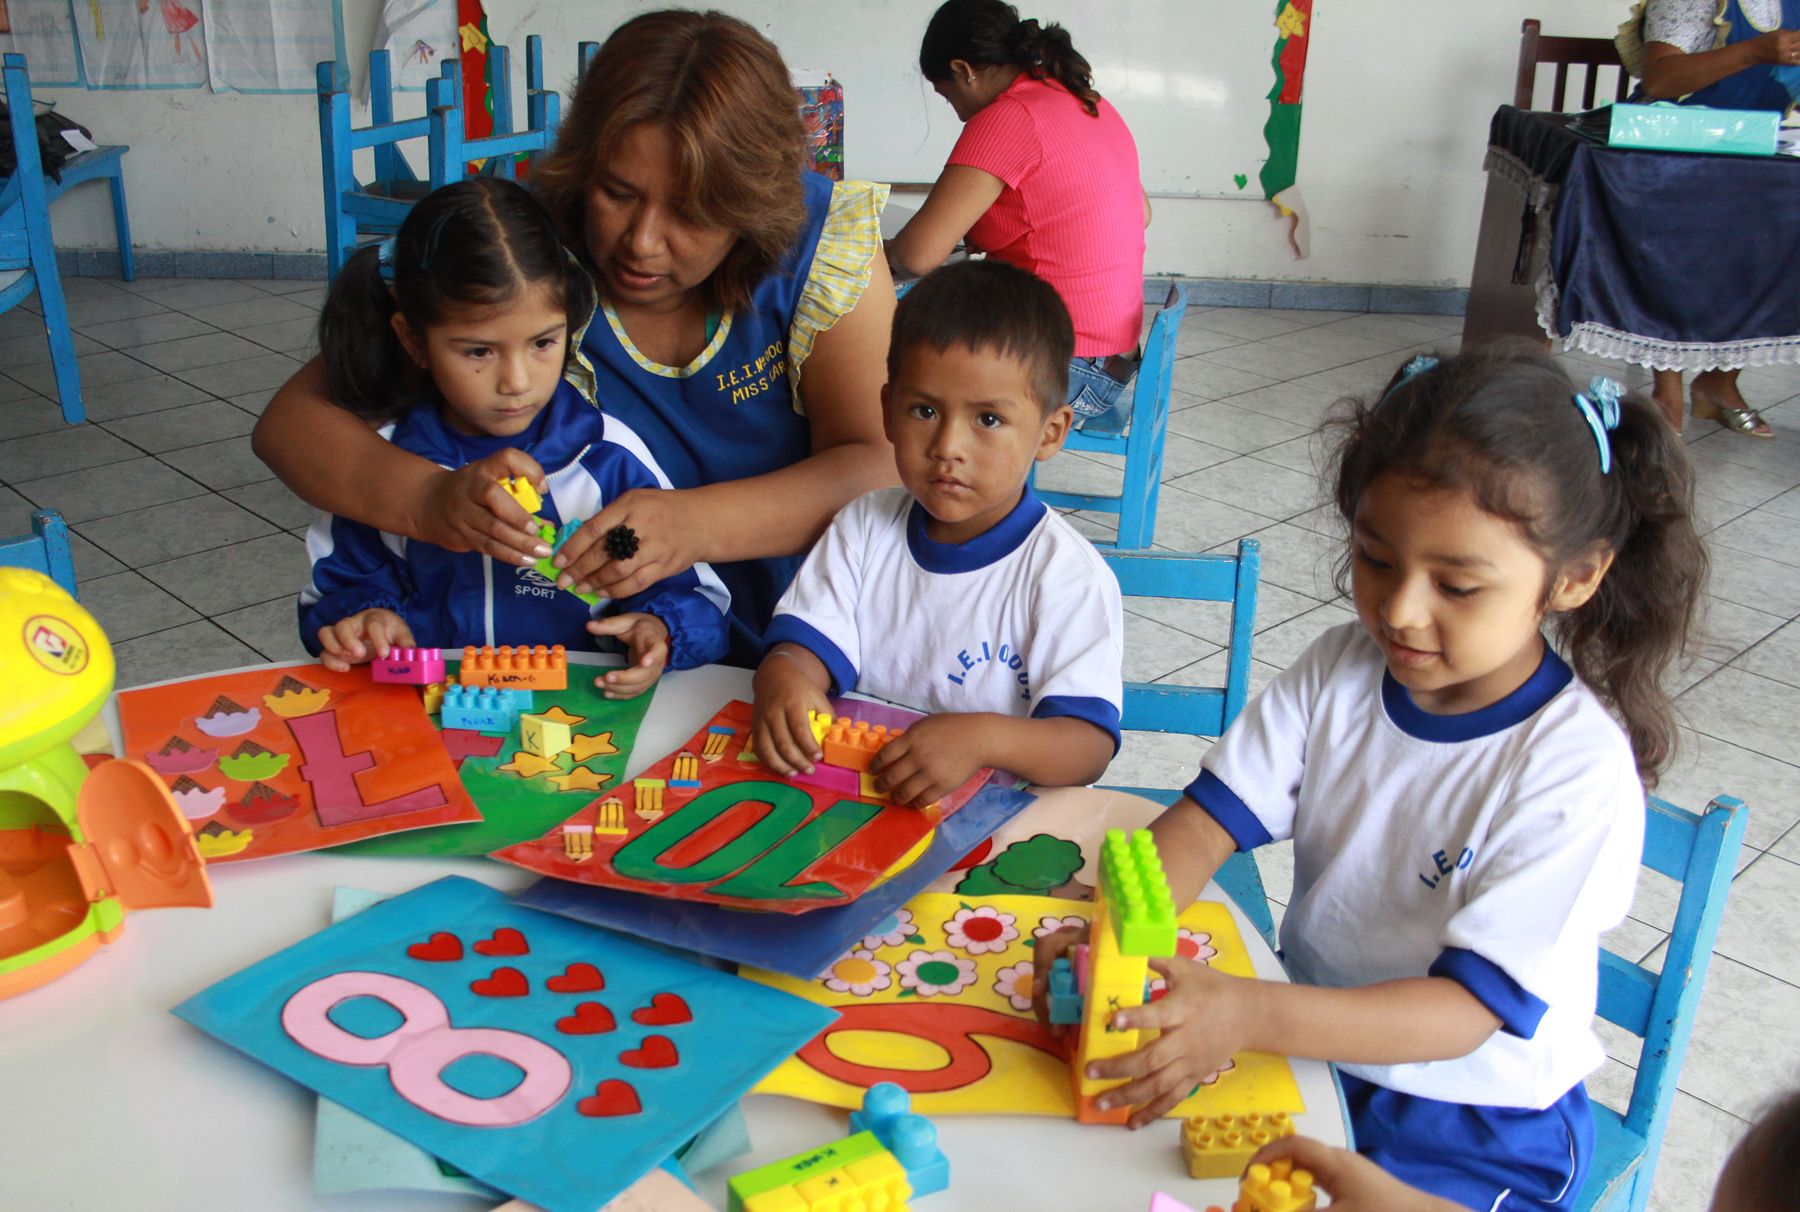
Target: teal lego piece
(1065, 999)
(554, 538)
(483, 708)
(1139, 904)
(887, 1112)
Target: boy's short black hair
(990, 306)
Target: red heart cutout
(506, 982)
(656, 1052)
(611, 1097)
(590, 1018)
(664, 1010)
(577, 978)
(506, 941)
(439, 948)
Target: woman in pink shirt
(1045, 176)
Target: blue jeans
(1094, 394)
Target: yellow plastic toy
(78, 848)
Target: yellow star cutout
(556, 715)
(1291, 23)
(472, 38)
(580, 779)
(585, 747)
(528, 765)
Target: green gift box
(1668, 127)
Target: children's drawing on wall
(417, 35)
(44, 32)
(822, 113)
(270, 45)
(1293, 26)
(142, 44)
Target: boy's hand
(666, 528)
(362, 637)
(646, 640)
(1203, 1019)
(783, 694)
(467, 510)
(931, 759)
(1354, 1183)
(1048, 950)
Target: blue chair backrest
(45, 549)
(1195, 710)
(24, 205)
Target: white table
(107, 1101)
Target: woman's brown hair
(722, 93)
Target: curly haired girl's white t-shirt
(1492, 848)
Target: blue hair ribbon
(384, 259)
(1599, 406)
(1408, 373)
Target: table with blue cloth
(1669, 260)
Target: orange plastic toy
(519, 668)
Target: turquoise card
(542, 1057)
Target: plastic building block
(1220, 1146)
(853, 744)
(482, 708)
(578, 842)
(819, 722)
(621, 542)
(543, 736)
(520, 668)
(686, 772)
(648, 799)
(609, 817)
(1161, 1202)
(1278, 1187)
(1142, 908)
(1065, 1002)
(718, 737)
(853, 1173)
(434, 697)
(520, 490)
(410, 666)
(554, 538)
(831, 778)
(887, 1112)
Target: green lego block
(790, 1171)
(1139, 904)
(554, 539)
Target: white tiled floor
(189, 553)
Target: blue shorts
(1496, 1159)
(1094, 394)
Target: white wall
(1398, 97)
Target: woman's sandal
(1745, 420)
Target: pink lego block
(410, 666)
(831, 778)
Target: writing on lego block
(522, 668)
(409, 666)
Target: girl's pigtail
(1049, 52)
(1623, 640)
(366, 369)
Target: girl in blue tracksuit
(456, 334)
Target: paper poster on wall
(417, 34)
(44, 33)
(271, 46)
(142, 43)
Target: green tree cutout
(1034, 867)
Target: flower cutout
(929, 973)
(1015, 984)
(859, 973)
(1194, 945)
(897, 929)
(1050, 925)
(981, 931)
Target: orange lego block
(1278, 1187)
(853, 744)
(1220, 1146)
(518, 668)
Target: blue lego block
(886, 1111)
(1065, 1000)
(483, 708)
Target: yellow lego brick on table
(1220, 1146)
(1279, 1187)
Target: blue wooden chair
(1142, 443)
(45, 549)
(1660, 1007)
(1200, 710)
(451, 151)
(27, 251)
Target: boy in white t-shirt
(960, 594)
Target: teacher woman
(1044, 176)
(741, 332)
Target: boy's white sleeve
(1558, 868)
(1077, 648)
(818, 611)
(1249, 781)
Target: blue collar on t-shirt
(984, 549)
(1543, 685)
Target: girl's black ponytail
(366, 369)
(1047, 52)
(988, 33)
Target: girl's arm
(780, 512)
(333, 459)
(1671, 72)
(1193, 847)
(961, 196)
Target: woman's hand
(1204, 1018)
(1780, 47)
(1354, 1183)
(789, 683)
(667, 531)
(467, 510)
(646, 640)
(363, 637)
(932, 758)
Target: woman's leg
(1716, 398)
(1668, 397)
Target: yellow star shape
(580, 779)
(1291, 23)
(528, 765)
(598, 745)
(556, 715)
(472, 38)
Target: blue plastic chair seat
(45, 549)
(1618, 1155)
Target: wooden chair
(1660, 1007)
(45, 549)
(1200, 710)
(1142, 443)
(27, 249)
(451, 151)
(1590, 54)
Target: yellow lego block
(1220, 1146)
(520, 490)
(781, 1199)
(820, 723)
(434, 697)
(543, 736)
(1275, 1188)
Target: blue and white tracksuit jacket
(451, 599)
